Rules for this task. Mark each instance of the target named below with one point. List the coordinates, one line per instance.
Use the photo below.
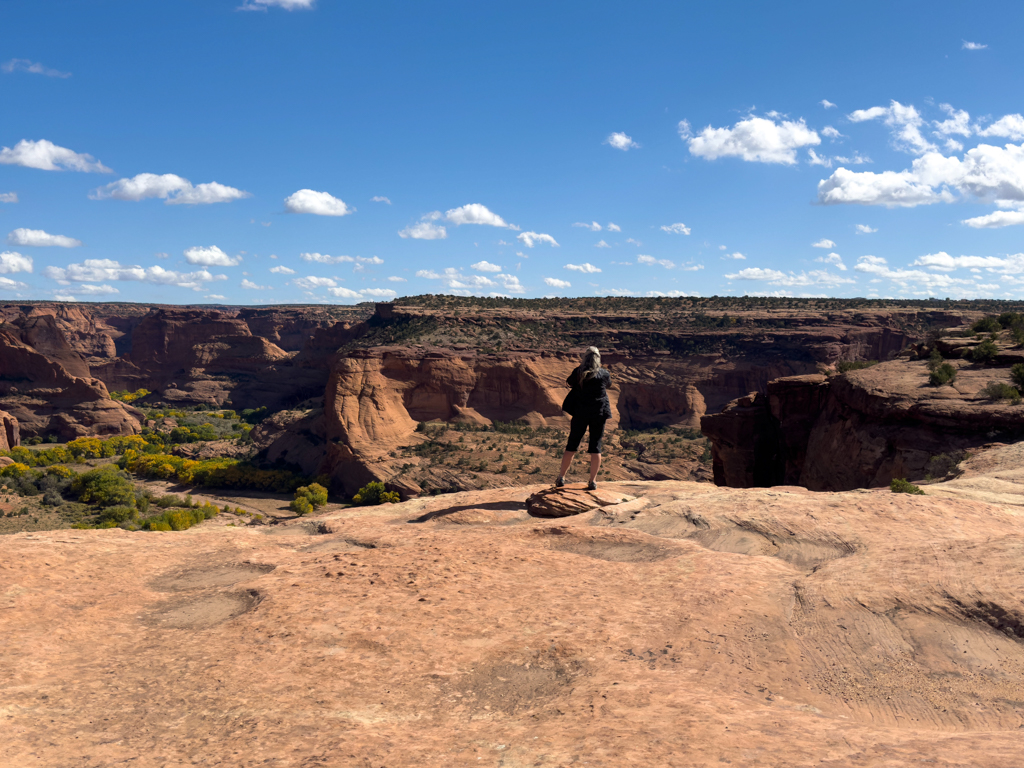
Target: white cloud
(8, 197)
(249, 285)
(323, 258)
(379, 293)
(99, 270)
(969, 46)
(676, 229)
(775, 277)
(996, 219)
(35, 68)
(831, 132)
(756, 139)
(833, 258)
(465, 285)
(1010, 126)
(11, 262)
(554, 282)
(905, 122)
(311, 283)
(38, 238)
(826, 104)
(424, 231)
(621, 141)
(670, 294)
(282, 270)
(943, 262)
(172, 189)
(816, 159)
(958, 122)
(651, 261)
(684, 129)
(864, 229)
(529, 239)
(585, 267)
(216, 296)
(397, 279)
(211, 256)
(614, 227)
(474, 213)
(380, 199)
(316, 203)
(637, 243)
(288, 5)
(369, 260)
(601, 244)
(95, 290)
(6, 284)
(47, 156)
(692, 267)
(823, 243)
(592, 226)
(986, 172)
(429, 274)
(486, 266)
(735, 256)
(617, 292)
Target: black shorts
(581, 424)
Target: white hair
(590, 363)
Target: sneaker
(591, 486)
(559, 482)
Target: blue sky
(279, 151)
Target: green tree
(106, 487)
(375, 493)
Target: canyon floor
(669, 624)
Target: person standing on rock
(587, 404)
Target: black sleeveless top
(592, 398)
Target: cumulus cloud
(996, 219)
(986, 172)
(11, 261)
(969, 46)
(864, 229)
(904, 121)
(735, 256)
(38, 238)
(6, 284)
(601, 244)
(831, 132)
(485, 266)
(172, 189)
(958, 122)
(554, 282)
(927, 281)
(323, 258)
(99, 270)
(8, 197)
(465, 285)
(316, 203)
(756, 139)
(288, 5)
(89, 289)
(529, 239)
(651, 261)
(47, 156)
(397, 279)
(676, 229)
(35, 68)
(826, 104)
(475, 213)
(823, 243)
(592, 226)
(821, 278)
(425, 230)
(833, 258)
(249, 285)
(670, 294)
(614, 227)
(282, 270)
(1009, 126)
(312, 282)
(621, 141)
(211, 256)
(585, 267)
(379, 293)
(380, 199)
(943, 262)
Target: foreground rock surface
(693, 625)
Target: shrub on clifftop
(899, 485)
(375, 493)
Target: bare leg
(595, 464)
(566, 461)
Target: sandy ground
(688, 626)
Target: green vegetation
(1017, 375)
(375, 493)
(941, 371)
(854, 365)
(307, 498)
(105, 487)
(998, 390)
(900, 485)
(982, 353)
(129, 397)
(210, 473)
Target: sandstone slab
(569, 501)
